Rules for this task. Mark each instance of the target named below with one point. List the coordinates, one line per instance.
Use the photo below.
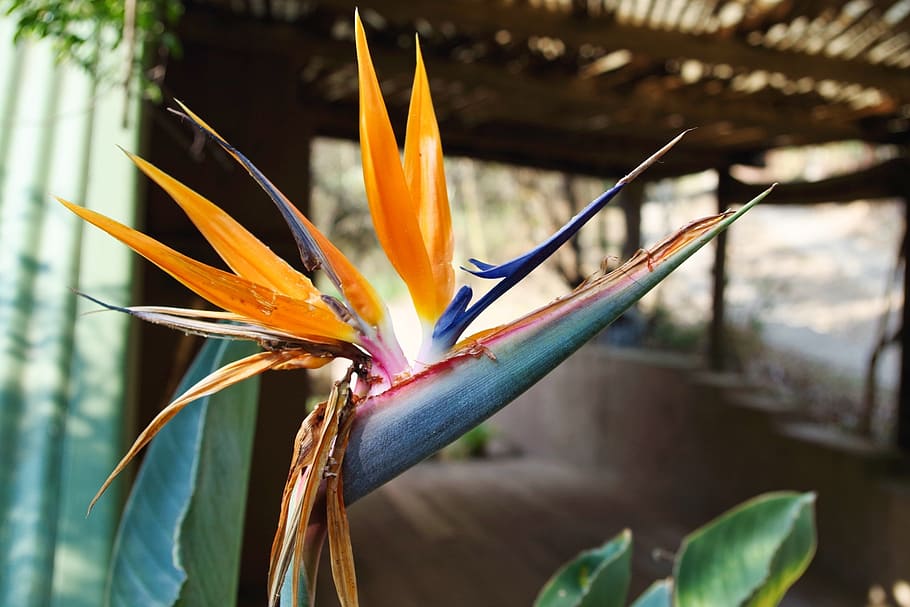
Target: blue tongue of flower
(457, 315)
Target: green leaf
(180, 535)
(595, 578)
(749, 556)
(658, 594)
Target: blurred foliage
(87, 32)
(666, 332)
(748, 557)
(473, 443)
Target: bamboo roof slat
(750, 74)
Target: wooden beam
(591, 154)
(885, 180)
(560, 101)
(523, 20)
(903, 401)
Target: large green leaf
(749, 556)
(595, 578)
(180, 535)
(658, 594)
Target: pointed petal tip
(652, 159)
(395, 213)
(479, 265)
(513, 271)
(751, 203)
(358, 29)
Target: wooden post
(903, 400)
(716, 345)
(630, 201)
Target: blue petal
(454, 310)
(541, 252)
(458, 316)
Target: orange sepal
(425, 174)
(225, 290)
(394, 213)
(245, 254)
(356, 289)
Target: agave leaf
(216, 381)
(595, 578)
(749, 556)
(418, 416)
(179, 538)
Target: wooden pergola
(585, 86)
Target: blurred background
(773, 360)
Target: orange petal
(394, 213)
(425, 173)
(224, 377)
(244, 253)
(358, 292)
(225, 290)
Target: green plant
(748, 557)
(472, 443)
(89, 33)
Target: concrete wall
(693, 444)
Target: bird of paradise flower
(265, 300)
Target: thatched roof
(593, 85)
